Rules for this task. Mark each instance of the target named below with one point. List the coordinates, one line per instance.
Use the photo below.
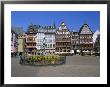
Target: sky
(73, 19)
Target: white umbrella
(72, 51)
(78, 50)
(86, 51)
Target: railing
(63, 40)
(63, 45)
(30, 46)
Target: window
(64, 50)
(45, 36)
(50, 45)
(53, 40)
(68, 51)
(29, 39)
(48, 40)
(45, 45)
(72, 37)
(84, 31)
(53, 45)
(85, 26)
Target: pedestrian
(20, 59)
(15, 54)
(20, 54)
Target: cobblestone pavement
(76, 66)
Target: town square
(75, 66)
(55, 50)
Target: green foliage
(47, 58)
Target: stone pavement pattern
(76, 66)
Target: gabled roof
(62, 24)
(31, 27)
(82, 27)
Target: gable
(85, 29)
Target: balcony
(30, 41)
(68, 40)
(30, 46)
(31, 36)
(63, 45)
(63, 41)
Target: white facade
(13, 42)
(95, 35)
(50, 42)
(46, 35)
(39, 39)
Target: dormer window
(62, 23)
(85, 26)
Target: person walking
(21, 58)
